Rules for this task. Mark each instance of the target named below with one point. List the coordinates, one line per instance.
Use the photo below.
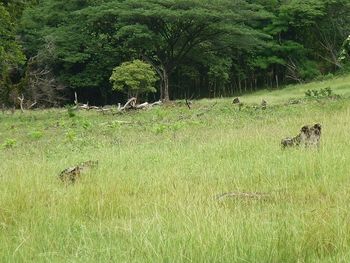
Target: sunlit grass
(152, 198)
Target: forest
(174, 131)
(50, 49)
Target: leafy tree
(345, 51)
(197, 47)
(134, 78)
(80, 52)
(165, 32)
(90, 37)
(10, 52)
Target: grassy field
(152, 197)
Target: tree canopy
(134, 78)
(199, 47)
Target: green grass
(152, 198)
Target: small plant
(71, 111)
(35, 135)
(86, 124)
(71, 135)
(9, 143)
(159, 128)
(321, 93)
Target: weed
(9, 143)
(71, 110)
(321, 93)
(35, 135)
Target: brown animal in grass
(236, 101)
(308, 137)
(72, 174)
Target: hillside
(152, 197)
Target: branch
(32, 105)
(21, 100)
(130, 103)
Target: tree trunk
(163, 73)
(164, 87)
(239, 85)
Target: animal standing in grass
(308, 137)
(72, 174)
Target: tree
(134, 78)
(81, 53)
(163, 33)
(10, 52)
(345, 51)
(198, 48)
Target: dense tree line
(198, 48)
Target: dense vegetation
(198, 48)
(152, 197)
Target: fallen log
(130, 104)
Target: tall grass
(152, 198)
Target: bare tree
(42, 86)
(293, 71)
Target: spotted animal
(308, 137)
(314, 136)
(72, 174)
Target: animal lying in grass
(308, 137)
(72, 174)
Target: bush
(71, 110)
(134, 78)
(9, 143)
(322, 93)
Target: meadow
(153, 196)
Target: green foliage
(153, 196)
(71, 110)
(9, 143)
(321, 93)
(10, 52)
(35, 134)
(200, 48)
(134, 78)
(344, 56)
(71, 135)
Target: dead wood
(76, 99)
(32, 105)
(21, 100)
(129, 104)
(188, 103)
(142, 106)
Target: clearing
(152, 197)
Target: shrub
(134, 78)
(9, 143)
(321, 93)
(71, 110)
